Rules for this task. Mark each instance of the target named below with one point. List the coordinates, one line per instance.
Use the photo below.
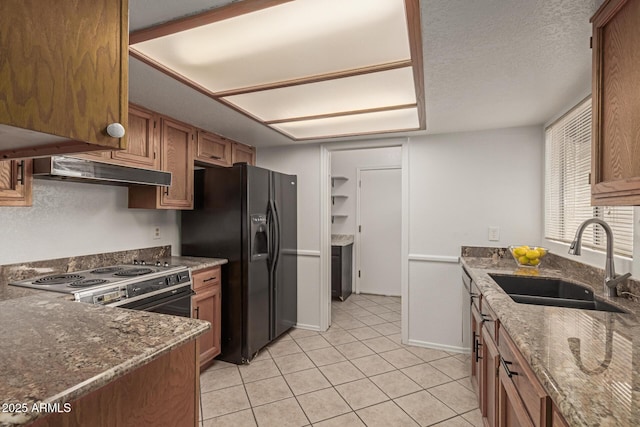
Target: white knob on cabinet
(115, 130)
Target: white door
(380, 203)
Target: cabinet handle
(115, 130)
(197, 309)
(505, 365)
(486, 318)
(210, 279)
(20, 179)
(166, 191)
(471, 297)
(478, 345)
(215, 157)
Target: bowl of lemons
(528, 256)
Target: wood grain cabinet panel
(16, 181)
(207, 305)
(489, 394)
(213, 149)
(241, 153)
(615, 171)
(176, 156)
(142, 140)
(163, 392)
(63, 74)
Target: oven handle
(155, 304)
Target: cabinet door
(213, 149)
(64, 73)
(615, 170)
(476, 349)
(15, 182)
(243, 154)
(142, 140)
(489, 393)
(336, 272)
(206, 306)
(177, 158)
(512, 412)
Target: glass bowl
(528, 256)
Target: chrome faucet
(610, 279)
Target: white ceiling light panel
(290, 41)
(361, 92)
(356, 124)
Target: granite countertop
(341, 239)
(594, 380)
(54, 350)
(194, 263)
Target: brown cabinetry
(162, 393)
(615, 171)
(63, 74)
(509, 394)
(207, 306)
(176, 156)
(142, 141)
(213, 149)
(16, 181)
(241, 153)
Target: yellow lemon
(533, 254)
(542, 251)
(534, 261)
(523, 260)
(520, 251)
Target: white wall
(459, 184)
(303, 161)
(345, 163)
(69, 218)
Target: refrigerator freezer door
(285, 290)
(257, 287)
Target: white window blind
(567, 188)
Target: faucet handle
(613, 282)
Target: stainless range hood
(82, 170)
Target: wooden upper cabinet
(176, 156)
(63, 74)
(615, 174)
(16, 181)
(142, 142)
(213, 149)
(241, 153)
(143, 138)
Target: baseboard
(436, 346)
(308, 327)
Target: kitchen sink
(552, 292)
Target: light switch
(494, 233)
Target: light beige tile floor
(355, 374)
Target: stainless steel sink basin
(553, 292)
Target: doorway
(333, 208)
(378, 237)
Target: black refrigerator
(247, 215)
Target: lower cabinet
(341, 271)
(206, 305)
(509, 393)
(163, 392)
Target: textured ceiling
(488, 64)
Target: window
(567, 188)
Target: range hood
(82, 170)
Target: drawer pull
(20, 179)
(505, 365)
(478, 345)
(472, 296)
(197, 310)
(215, 157)
(209, 279)
(486, 318)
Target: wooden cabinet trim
(16, 183)
(213, 149)
(509, 398)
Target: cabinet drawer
(205, 278)
(534, 397)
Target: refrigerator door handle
(277, 235)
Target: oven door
(171, 302)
